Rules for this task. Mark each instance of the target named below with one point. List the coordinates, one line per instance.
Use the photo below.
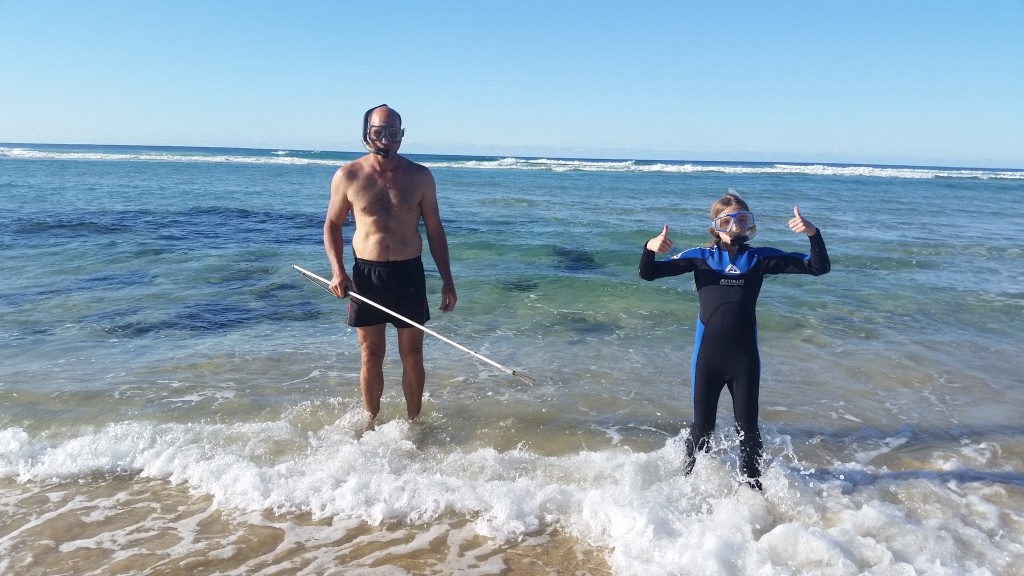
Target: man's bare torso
(386, 208)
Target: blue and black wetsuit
(725, 353)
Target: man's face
(385, 130)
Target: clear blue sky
(920, 82)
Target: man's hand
(340, 285)
(448, 298)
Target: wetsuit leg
(708, 380)
(745, 389)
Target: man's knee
(372, 347)
(410, 345)
(372, 356)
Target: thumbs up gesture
(801, 225)
(660, 243)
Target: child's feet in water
(688, 465)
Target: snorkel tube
(382, 152)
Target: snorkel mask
(379, 133)
(732, 222)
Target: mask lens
(742, 220)
(392, 134)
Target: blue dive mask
(732, 222)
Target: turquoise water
(157, 347)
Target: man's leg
(372, 346)
(410, 348)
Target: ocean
(176, 399)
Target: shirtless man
(387, 196)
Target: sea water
(175, 399)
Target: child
(728, 275)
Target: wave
(641, 166)
(143, 155)
(638, 506)
(296, 157)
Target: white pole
(325, 284)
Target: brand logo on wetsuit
(732, 269)
(731, 282)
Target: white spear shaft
(325, 284)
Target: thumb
(664, 231)
(796, 212)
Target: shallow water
(174, 397)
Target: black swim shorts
(397, 285)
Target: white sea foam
(533, 164)
(652, 520)
(159, 156)
(561, 165)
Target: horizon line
(526, 156)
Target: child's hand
(660, 243)
(801, 225)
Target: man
(387, 196)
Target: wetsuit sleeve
(651, 269)
(816, 264)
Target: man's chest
(386, 201)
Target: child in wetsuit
(728, 275)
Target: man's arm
(437, 240)
(334, 243)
